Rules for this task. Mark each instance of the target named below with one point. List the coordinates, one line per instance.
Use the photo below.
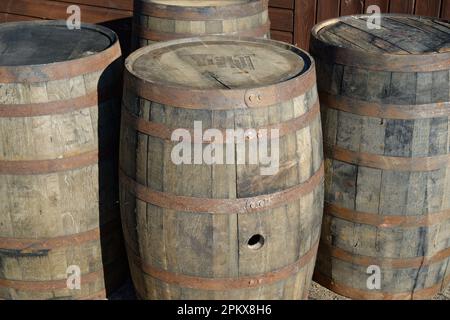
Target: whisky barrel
(386, 105)
(163, 20)
(59, 120)
(214, 229)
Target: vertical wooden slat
(402, 6)
(327, 9)
(412, 194)
(305, 13)
(445, 10)
(383, 4)
(281, 19)
(428, 7)
(349, 7)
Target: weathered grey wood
(215, 246)
(397, 34)
(153, 28)
(351, 187)
(48, 205)
(24, 44)
(361, 39)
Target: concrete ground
(317, 292)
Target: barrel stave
(155, 21)
(57, 140)
(193, 245)
(191, 240)
(386, 146)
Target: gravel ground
(317, 292)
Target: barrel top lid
(199, 3)
(218, 63)
(44, 42)
(397, 34)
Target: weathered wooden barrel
(214, 229)
(59, 121)
(163, 20)
(385, 99)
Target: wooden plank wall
(292, 20)
(115, 14)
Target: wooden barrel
(59, 215)
(214, 229)
(163, 20)
(386, 107)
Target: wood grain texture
(402, 6)
(364, 200)
(177, 21)
(398, 35)
(304, 12)
(286, 4)
(281, 36)
(382, 4)
(52, 205)
(428, 8)
(304, 20)
(351, 7)
(114, 14)
(125, 5)
(327, 9)
(309, 12)
(181, 253)
(281, 19)
(445, 9)
(46, 9)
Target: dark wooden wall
(292, 20)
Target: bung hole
(255, 242)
